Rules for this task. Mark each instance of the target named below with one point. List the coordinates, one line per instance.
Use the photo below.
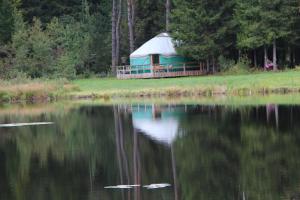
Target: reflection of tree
(269, 162)
(207, 157)
(224, 153)
(77, 157)
(75, 138)
(121, 154)
(235, 154)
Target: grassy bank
(235, 85)
(266, 83)
(33, 90)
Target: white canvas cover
(161, 44)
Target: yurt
(159, 51)
(158, 58)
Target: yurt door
(155, 59)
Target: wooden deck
(127, 72)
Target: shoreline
(110, 89)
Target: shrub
(241, 67)
(225, 64)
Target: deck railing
(161, 70)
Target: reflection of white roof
(163, 130)
(161, 44)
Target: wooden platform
(126, 72)
(159, 75)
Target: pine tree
(250, 35)
(149, 20)
(6, 21)
(204, 29)
(275, 23)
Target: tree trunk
(294, 57)
(113, 35)
(130, 15)
(274, 55)
(168, 11)
(288, 56)
(207, 65)
(213, 64)
(255, 58)
(119, 17)
(265, 56)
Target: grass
(168, 89)
(240, 85)
(33, 90)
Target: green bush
(225, 64)
(65, 67)
(241, 67)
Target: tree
(248, 18)
(205, 29)
(113, 35)
(6, 21)
(116, 22)
(45, 10)
(149, 21)
(275, 21)
(292, 39)
(131, 23)
(168, 11)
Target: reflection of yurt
(160, 124)
(160, 50)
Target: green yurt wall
(140, 64)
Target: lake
(150, 152)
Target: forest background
(79, 38)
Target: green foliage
(70, 46)
(150, 19)
(64, 67)
(225, 64)
(204, 28)
(67, 38)
(33, 50)
(6, 21)
(251, 29)
(65, 47)
(262, 22)
(241, 67)
(46, 10)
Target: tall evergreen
(6, 21)
(275, 23)
(150, 19)
(251, 31)
(204, 29)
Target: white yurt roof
(164, 131)
(161, 44)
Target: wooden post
(184, 69)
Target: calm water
(190, 152)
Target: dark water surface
(192, 152)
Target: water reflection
(182, 152)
